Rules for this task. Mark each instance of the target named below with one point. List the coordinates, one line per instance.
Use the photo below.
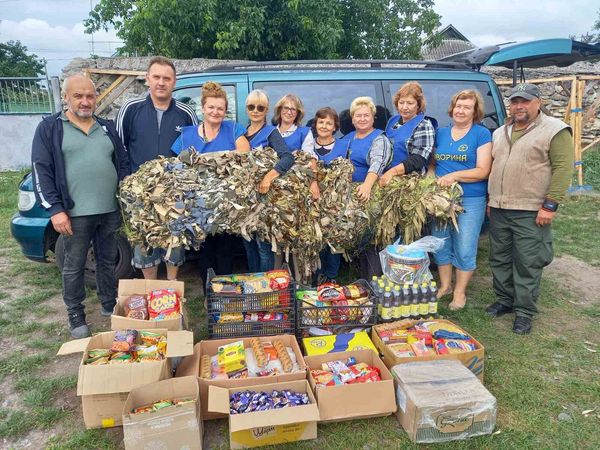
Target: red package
(340, 315)
(163, 304)
(329, 292)
(279, 280)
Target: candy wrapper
(149, 337)
(250, 401)
(124, 341)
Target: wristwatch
(550, 205)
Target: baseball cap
(527, 91)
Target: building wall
(17, 133)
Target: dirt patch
(576, 276)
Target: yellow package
(232, 357)
(320, 345)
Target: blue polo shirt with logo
(452, 156)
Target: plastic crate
(339, 318)
(281, 301)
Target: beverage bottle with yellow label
(397, 303)
(386, 306)
(405, 307)
(433, 300)
(424, 301)
(414, 301)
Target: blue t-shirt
(452, 156)
(224, 141)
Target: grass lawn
(534, 378)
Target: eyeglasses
(288, 109)
(259, 108)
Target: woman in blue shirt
(463, 155)
(327, 148)
(214, 134)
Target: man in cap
(77, 162)
(531, 170)
(148, 127)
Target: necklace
(206, 137)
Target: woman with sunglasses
(214, 134)
(260, 134)
(327, 148)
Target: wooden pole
(107, 91)
(590, 145)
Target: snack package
(283, 356)
(149, 337)
(147, 353)
(121, 358)
(205, 371)
(354, 291)
(278, 279)
(225, 285)
(329, 292)
(124, 341)
(136, 307)
(256, 285)
(402, 350)
(232, 357)
(164, 304)
(259, 352)
(229, 317)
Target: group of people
(520, 176)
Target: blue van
(318, 84)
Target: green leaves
(16, 62)
(269, 29)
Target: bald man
(77, 161)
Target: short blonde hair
(413, 89)
(295, 100)
(469, 94)
(258, 96)
(359, 102)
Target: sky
(53, 29)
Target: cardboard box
(256, 429)
(174, 427)
(353, 401)
(103, 388)
(191, 366)
(441, 401)
(118, 321)
(321, 345)
(473, 360)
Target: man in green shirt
(77, 162)
(531, 170)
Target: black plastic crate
(339, 318)
(246, 305)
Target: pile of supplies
(126, 348)
(160, 304)
(347, 371)
(250, 401)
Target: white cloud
(58, 44)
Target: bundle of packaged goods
(165, 414)
(115, 362)
(351, 385)
(149, 304)
(247, 304)
(126, 348)
(440, 401)
(260, 359)
(269, 414)
(404, 301)
(406, 340)
(320, 345)
(332, 307)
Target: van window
(336, 94)
(438, 94)
(191, 96)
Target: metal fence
(25, 95)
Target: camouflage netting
(171, 202)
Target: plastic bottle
(386, 308)
(379, 293)
(405, 307)
(374, 283)
(396, 305)
(424, 301)
(433, 301)
(414, 303)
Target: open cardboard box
(353, 401)
(191, 366)
(103, 388)
(256, 429)
(473, 360)
(172, 427)
(118, 321)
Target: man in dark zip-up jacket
(77, 162)
(148, 127)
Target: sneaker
(107, 311)
(498, 309)
(522, 325)
(80, 332)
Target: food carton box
(173, 427)
(118, 321)
(277, 426)
(473, 360)
(320, 345)
(191, 366)
(441, 401)
(103, 388)
(353, 401)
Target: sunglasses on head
(259, 108)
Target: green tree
(269, 29)
(592, 36)
(16, 62)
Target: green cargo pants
(519, 250)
